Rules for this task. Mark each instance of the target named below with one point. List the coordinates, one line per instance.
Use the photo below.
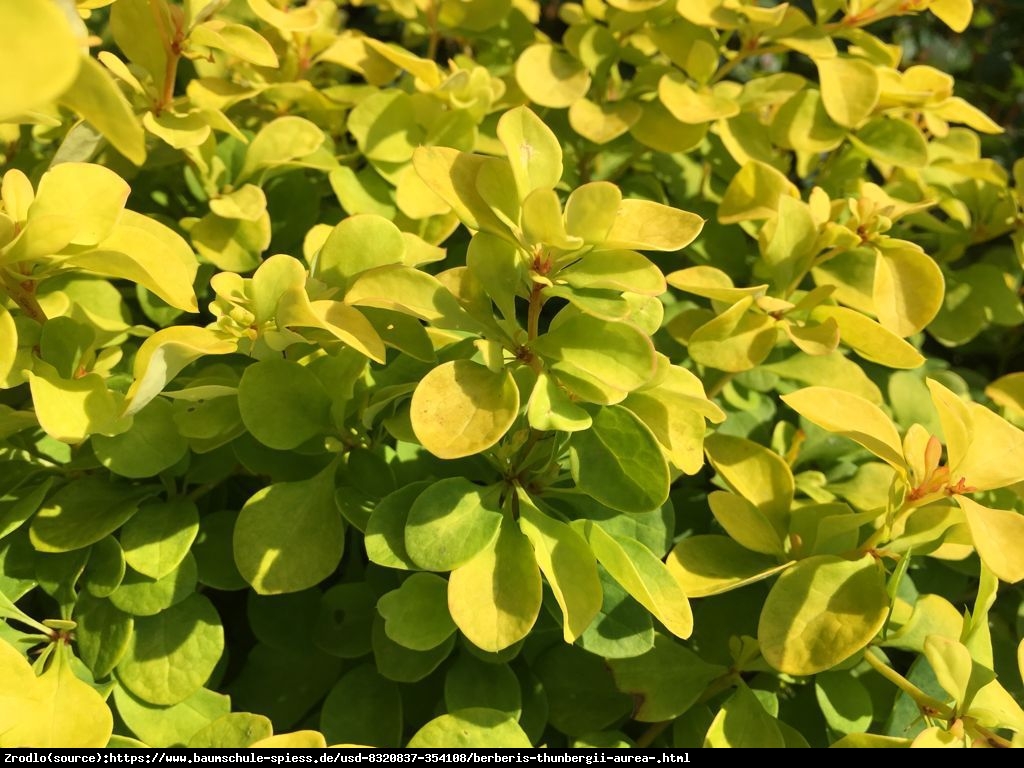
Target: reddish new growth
(936, 478)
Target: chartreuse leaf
(452, 175)
(236, 39)
(619, 463)
(820, 612)
(158, 537)
(471, 728)
(533, 151)
(615, 271)
(152, 444)
(666, 681)
(709, 565)
(643, 225)
(997, 538)
(590, 210)
(745, 523)
(754, 193)
(416, 614)
(852, 417)
(385, 531)
(42, 47)
(172, 654)
(973, 435)
(363, 707)
(290, 536)
(743, 722)
(461, 408)
(355, 245)
(69, 410)
(283, 404)
(849, 89)
(279, 142)
(83, 512)
(908, 289)
(932, 615)
(495, 597)
(170, 725)
(450, 523)
(235, 729)
(56, 709)
(164, 354)
(756, 473)
(551, 408)
(8, 343)
(551, 77)
(952, 664)
(345, 323)
(844, 701)
(580, 350)
(401, 664)
(96, 97)
(643, 575)
(736, 340)
(142, 596)
(893, 141)
(567, 563)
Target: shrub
(483, 372)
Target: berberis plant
(498, 373)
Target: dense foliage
(497, 373)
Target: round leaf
(472, 728)
(283, 404)
(550, 77)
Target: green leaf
(849, 89)
(709, 565)
(103, 633)
(283, 404)
(385, 530)
(580, 689)
(893, 141)
(404, 665)
(156, 540)
(665, 682)
(473, 682)
(290, 536)
(42, 47)
(742, 722)
(852, 417)
(644, 576)
(551, 408)
(152, 444)
(363, 708)
(173, 725)
(416, 614)
(622, 629)
(495, 597)
(461, 408)
(619, 463)
(173, 654)
(844, 701)
(567, 563)
(550, 77)
(821, 612)
(142, 596)
(450, 523)
(533, 151)
(832, 370)
(83, 512)
(472, 728)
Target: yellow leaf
(869, 339)
(985, 450)
(461, 408)
(551, 77)
(294, 740)
(40, 55)
(644, 225)
(998, 537)
(849, 89)
(533, 151)
(955, 14)
(754, 193)
(908, 289)
(853, 417)
(70, 410)
(89, 195)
